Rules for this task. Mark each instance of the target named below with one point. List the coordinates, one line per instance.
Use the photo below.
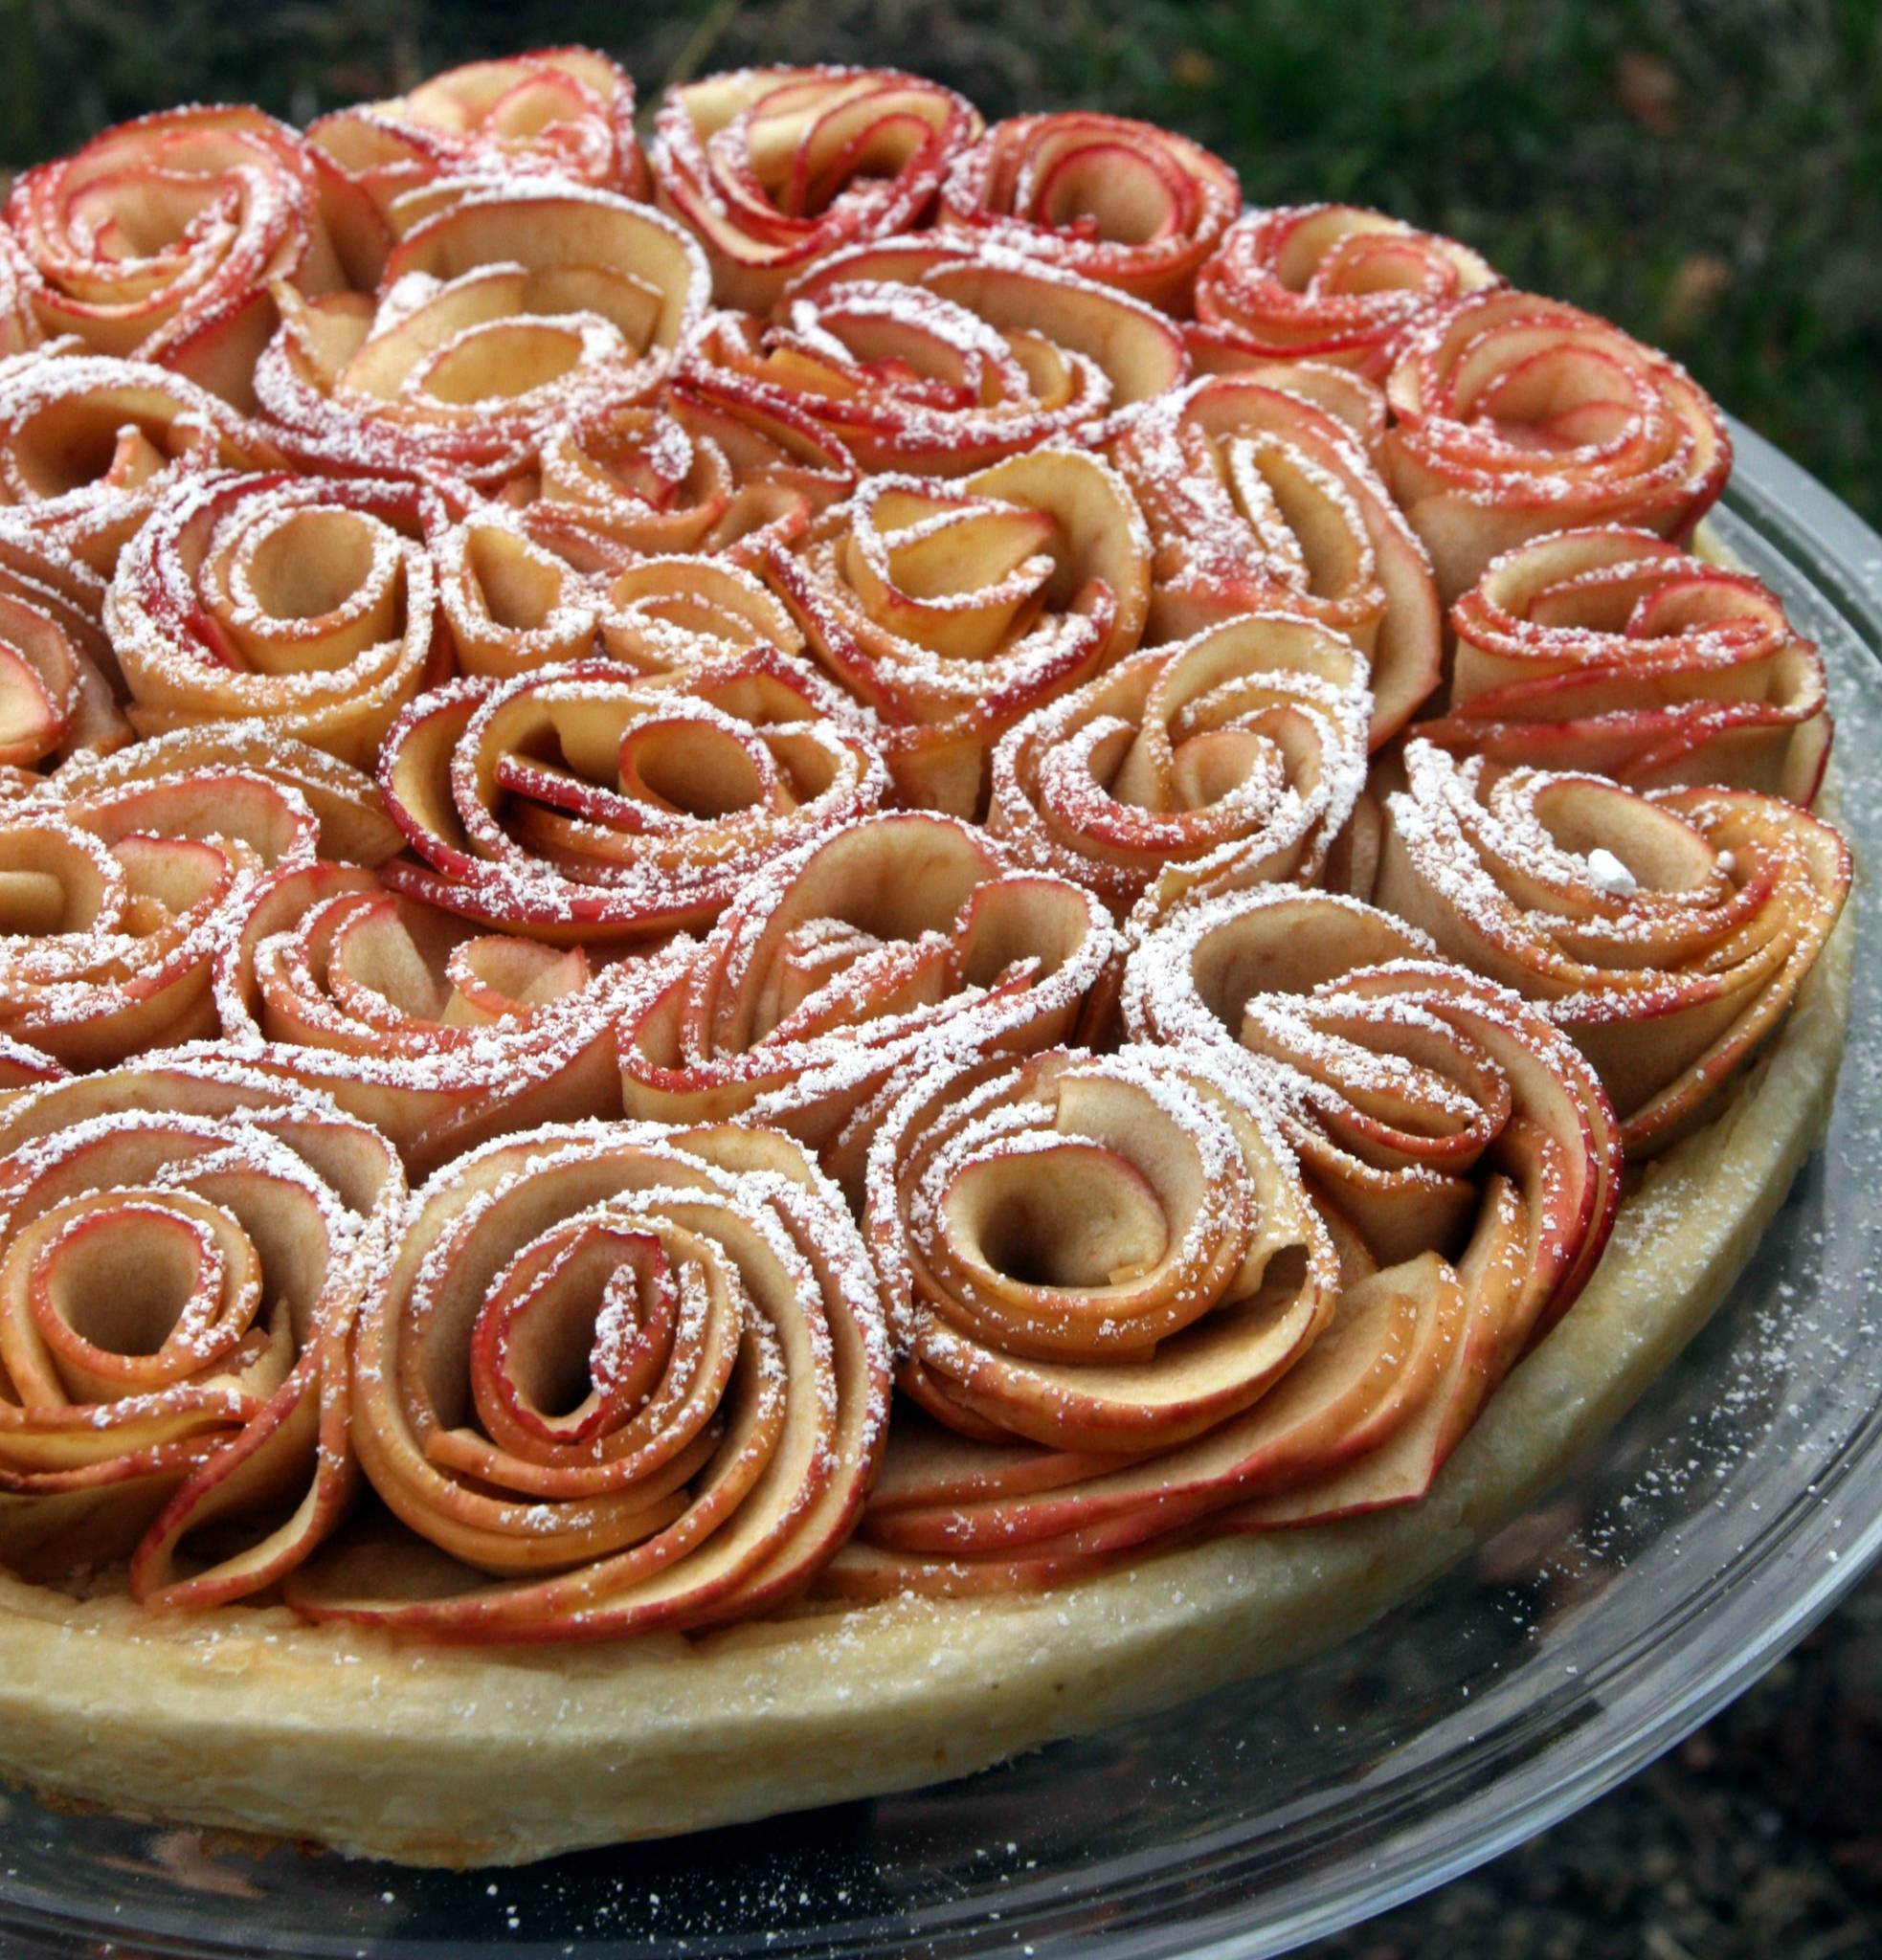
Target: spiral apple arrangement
(1015, 853)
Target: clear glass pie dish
(1667, 1568)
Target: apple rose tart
(932, 355)
(306, 603)
(91, 446)
(1119, 201)
(616, 1378)
(182, 1251)
(1514, 415)
(345, 802)
(164, 239)
(436, 1035)
(554, 112)
(844, 960)
(773, 169)
(1611, 649)
(1324, 282)
(115, 905)
(686, 476)
(1233, 758)
(954, 609)
(1260, 501)
(1667, 934)
(583, 804)
(498, 319)
(1446, 1133)
(1123, 1311)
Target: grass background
(1707, 172)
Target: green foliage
(1707, 172)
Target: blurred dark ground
(1707, 172)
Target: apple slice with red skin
(1378, 1361)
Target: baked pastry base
(250, 1720)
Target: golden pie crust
(250, 1718)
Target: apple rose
(684, 477)
(844, 960)
(498, 319)
(345, 802)
(1324, 282)
(1667, 934)
(1232, 758)
(113, 906)
(1513, 416)
(508, 606)
(306, 603)
(1444, 1129)
(666, 613)
(583, 804)
(513, 599)
(90, 446)
(955, 608)
(556, 112)
(773, 168)
(1258, 501)
(412, 1021)
(1119, 201)
(622, 1379)
(161, 239)
(44, 574)
(19, 321)
(1114, 1296)
(56, 668)
(1613, 651)
(933, 355)
(24, 1067)
(182, 1251)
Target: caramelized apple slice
(303, 604)
(412, 1021)
(116, 904)
(775, 168)
(1513, 416)
(1233, 758)
(123, 258)
(556, 112)
(1324, 282)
